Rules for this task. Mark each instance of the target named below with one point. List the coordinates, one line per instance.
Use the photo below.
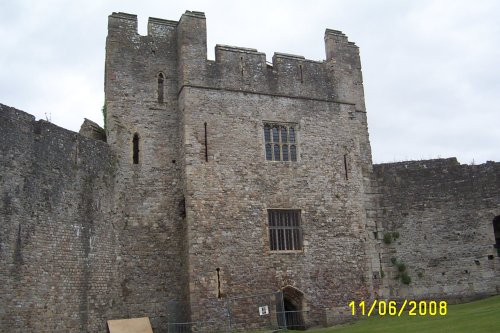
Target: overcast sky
(431, 69)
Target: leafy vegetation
(388, 238)
(105, 114)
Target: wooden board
(133, 325)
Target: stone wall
(227, 199)
(58, 243)
(443, 213)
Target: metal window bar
(285, 233)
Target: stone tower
(236, 176)
(141, 87)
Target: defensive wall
(442, 213)
(58, 243)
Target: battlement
(241, 68)
(124, 16)
(220, 47)
(158, 21)
(124, 23)
(24, 125)
(128, 23)
(12, 114)
(289, 56)
(195, 14)
(442, 166)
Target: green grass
(480, 316)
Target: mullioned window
(280, 142)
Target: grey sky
(431, 68)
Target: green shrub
(405, 278)
(105, 114)
(387, 238)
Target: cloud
(430, 68)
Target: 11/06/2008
(391, 308)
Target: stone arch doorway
(496, 230)
(293, 305)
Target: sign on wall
(263, 310)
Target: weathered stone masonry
(173, 207)
(58, 243)
(443, 212)
(226, 103)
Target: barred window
(280, 141)
(285, 233)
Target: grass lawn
(480, 316)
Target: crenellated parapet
(245, 69)
(338, 79)
(126, 24)
(184, 42)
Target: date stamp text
(393, 308)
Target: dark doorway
(294, 314)
(496, 229)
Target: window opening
(301, 77)
(285, 233)
(280, 142)
(161, 80)
(496, 230)
(285, 153)
(218, 283)
(135, 144)
(345, 167)
(206, 143)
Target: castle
(222, 186)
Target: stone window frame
(285, 233)
(160, 92)
(275, 143)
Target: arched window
(161, 80)
(135, 149)
(496, 229)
